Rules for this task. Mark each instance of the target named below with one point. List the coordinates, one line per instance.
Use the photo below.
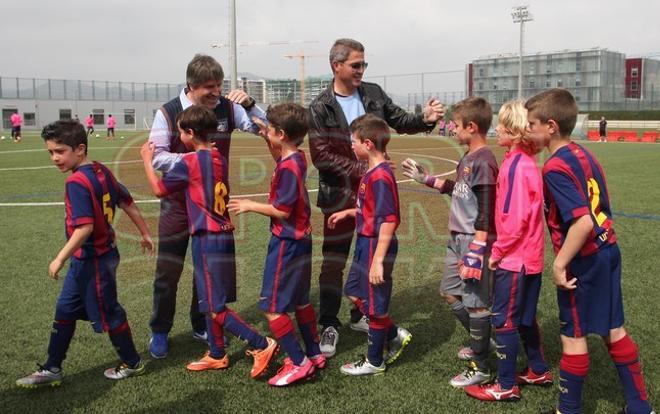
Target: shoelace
(121, 366)
(328, 338)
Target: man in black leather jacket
(331, 113)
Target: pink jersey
(16, 120)
(519, 214)
(111, 122)
(89, 121)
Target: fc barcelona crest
(223, 125)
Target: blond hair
(513, 117)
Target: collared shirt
(519, 214)
(161, 136)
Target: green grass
(418, 382)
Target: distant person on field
(442, 127)
(16, 121)
(89, 291)
(89, 122)
(602, 129)
(110, 124)
(587, 265)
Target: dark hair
(66, 131)
(290, 118)
(474, 109)
(342, 48)
(373, 128)
(200, 119)
(203, 68)
(556, 104)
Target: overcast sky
(152, 41)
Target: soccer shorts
(596, 305)
(474, 294)
(515, 299)
(89, 293)
(287, 275)
(214, 263)
(376, 298)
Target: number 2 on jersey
(594, 199)
(220, 192)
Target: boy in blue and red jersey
(90, 288)
(587, 267)
(203, 176)
(369, 282)
(287, 273)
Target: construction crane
(302, 58)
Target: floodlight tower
(521, 15)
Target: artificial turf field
(32, 234)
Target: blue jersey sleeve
(286, 193)
(176, 179)
(79, 204)
(384, 203)
(569, 199)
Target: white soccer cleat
(328, 343)
(362, 367)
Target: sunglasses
(358, 65)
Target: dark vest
(224, 112)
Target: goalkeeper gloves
(412, 169)
(471, 264)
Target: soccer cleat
(319, 361)
(329, 339)
(471, 376)
(290, 373)
(200, 336)
(493, 392)
(466, 353)
(208, 362)
(262, 357)
(361, 326)
(122, 371)
(40, 378)
(396, 345)
(528, 377)
(362, 367)
(158, 345)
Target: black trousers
(336, 247)
(173, 238)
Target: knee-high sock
(531, 339)
(480, 338)
(625, 355)
(240, 329)
(306, 319)
(60, 339)
(461, 313)
(507, 352)
(378, 328)
(282, 328)
(122, 340)
(215, 338)
(572, 371)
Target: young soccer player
(376, 215)
(89, 122)
(587, 266)
(203, 176)
(287, 273)
(110, 123)
(16, 121)
(90, 289)
(517, 260)
(467, 280)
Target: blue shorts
(376, 298)
(214, 262)
(515, 299)
(89, 293)
(287, 275)
(596, 306)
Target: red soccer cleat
(493, 392)
(528, 377)
(290, 373)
